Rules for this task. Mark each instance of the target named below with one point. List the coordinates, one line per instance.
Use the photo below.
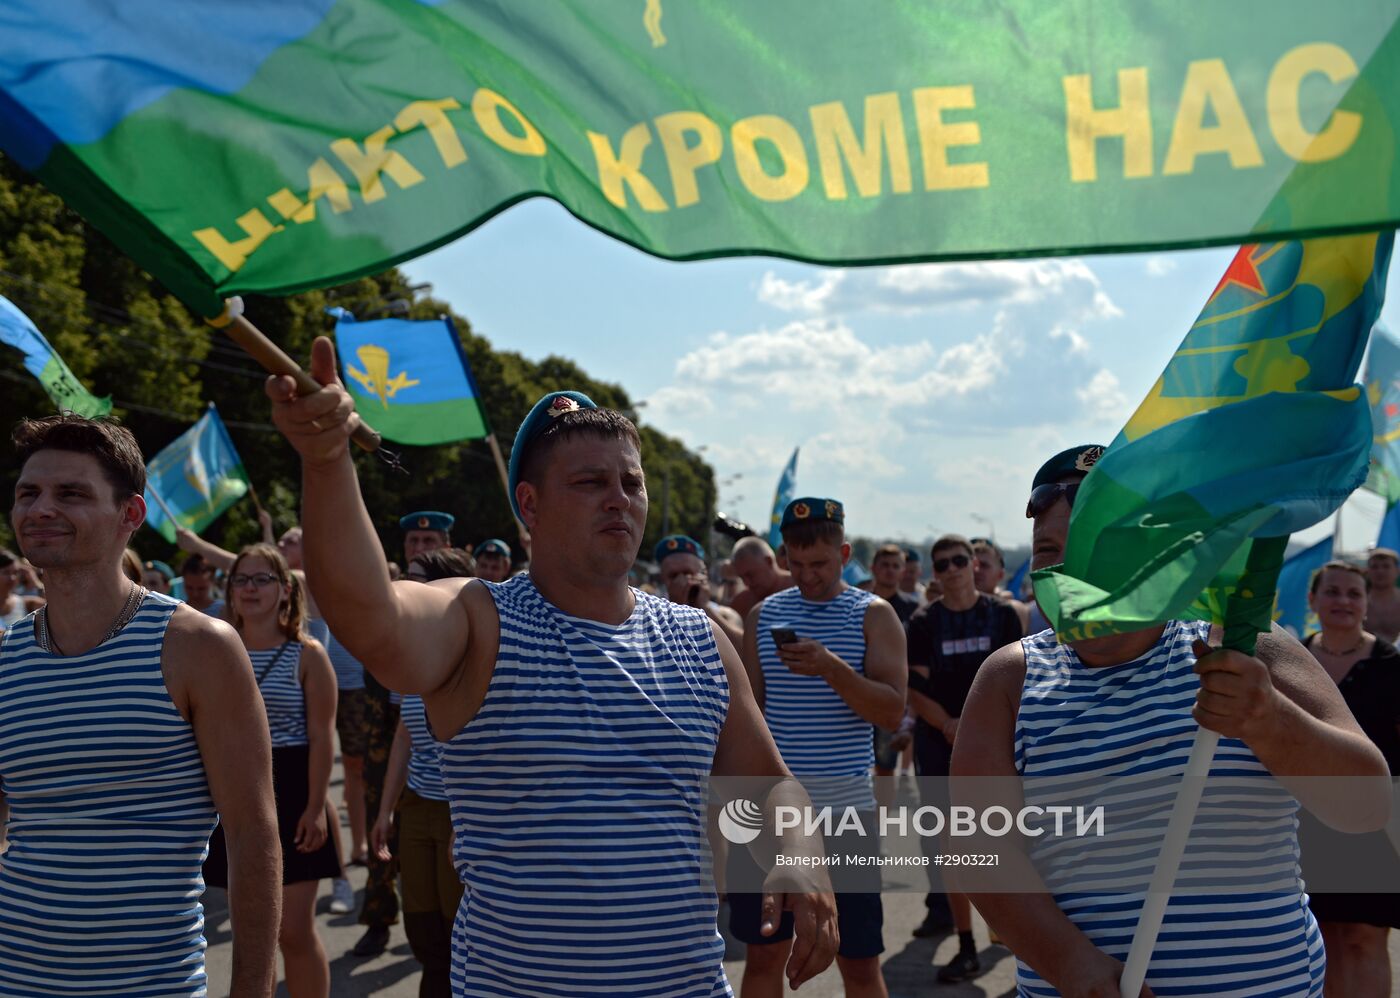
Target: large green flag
(1254, 430)
(276, 145)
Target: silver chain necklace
(134, 598)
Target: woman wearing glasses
(267, 606)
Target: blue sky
(922, 396)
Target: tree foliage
(123, 334)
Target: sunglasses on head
(940, 565)
(1045, 496)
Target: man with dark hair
(948, 639)
(198, 577)
(542, 686)
(1116, 710)
(492, 560)
(1382, 595)
(826, 661)
(757, 567)
(684, 577)
(886, 569)
(129, 723)
(988, 571)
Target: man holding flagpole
(657, 698)
(1098, 710)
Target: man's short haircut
(1341, 566)
(196, 565)
(110, 443)
(980, 544)
(806, 533)
(948, 541)
(751, 547)
(607, 424)
(1384, 553)
(445, 563)
(888, 551)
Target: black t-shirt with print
(953, 644)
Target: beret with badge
(1072, 461)
(676, 544)
(811, 510)
(540, 417)
(427, 519)
(492, 545)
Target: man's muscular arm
(411, 637)
(211, 681)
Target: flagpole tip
(233, 308)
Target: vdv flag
(1254, 430)
(40, 360)
(1291, 609)
(1383, 392)
(410, 380)
(199, 475)
(1014, 585)
(270, 146)
(854, 573)
(784, 494)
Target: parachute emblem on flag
(375, 377)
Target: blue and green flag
(782, 495)
(42, 361)
(270, 146)
(1291, 608)
(410, 380)
(1383, 392)
(1254, 430)
(198, 475)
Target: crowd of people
(527, 738)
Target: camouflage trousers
(381, 906)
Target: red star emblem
(1391, 410)
(1242, 272)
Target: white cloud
(910, 289)
(1102, 398)
(1159, 266)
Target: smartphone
(783, 636)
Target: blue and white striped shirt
(1239, 924)
(425, 764)
(578, 797)
(110, 816)
(824, 742)
(349, 673)
(278, 671)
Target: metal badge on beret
(1088, 458)
(561, 405)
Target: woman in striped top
(297, 684)
(431, 887)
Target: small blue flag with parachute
(198, 476)
(854, 573)
(1291, 608)
(787, 488)
(42, 361)
(410, 379)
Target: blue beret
(1075, 460)
(493, 546)
(427, 520)
(911, 554)
(677, 544)
(162, 568)
(547, 409)
(809, 509)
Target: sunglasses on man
(940, 565)
(1045, 496)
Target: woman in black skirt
(297, 683)
(1366, 670)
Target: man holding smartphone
(681, 561)
(826, 661)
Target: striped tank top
(825, 743)
(425, 763)
(349, 673)
(1238, 924)
(278, 672)
(578, 797)
(110, 816)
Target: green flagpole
(1248, 611)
